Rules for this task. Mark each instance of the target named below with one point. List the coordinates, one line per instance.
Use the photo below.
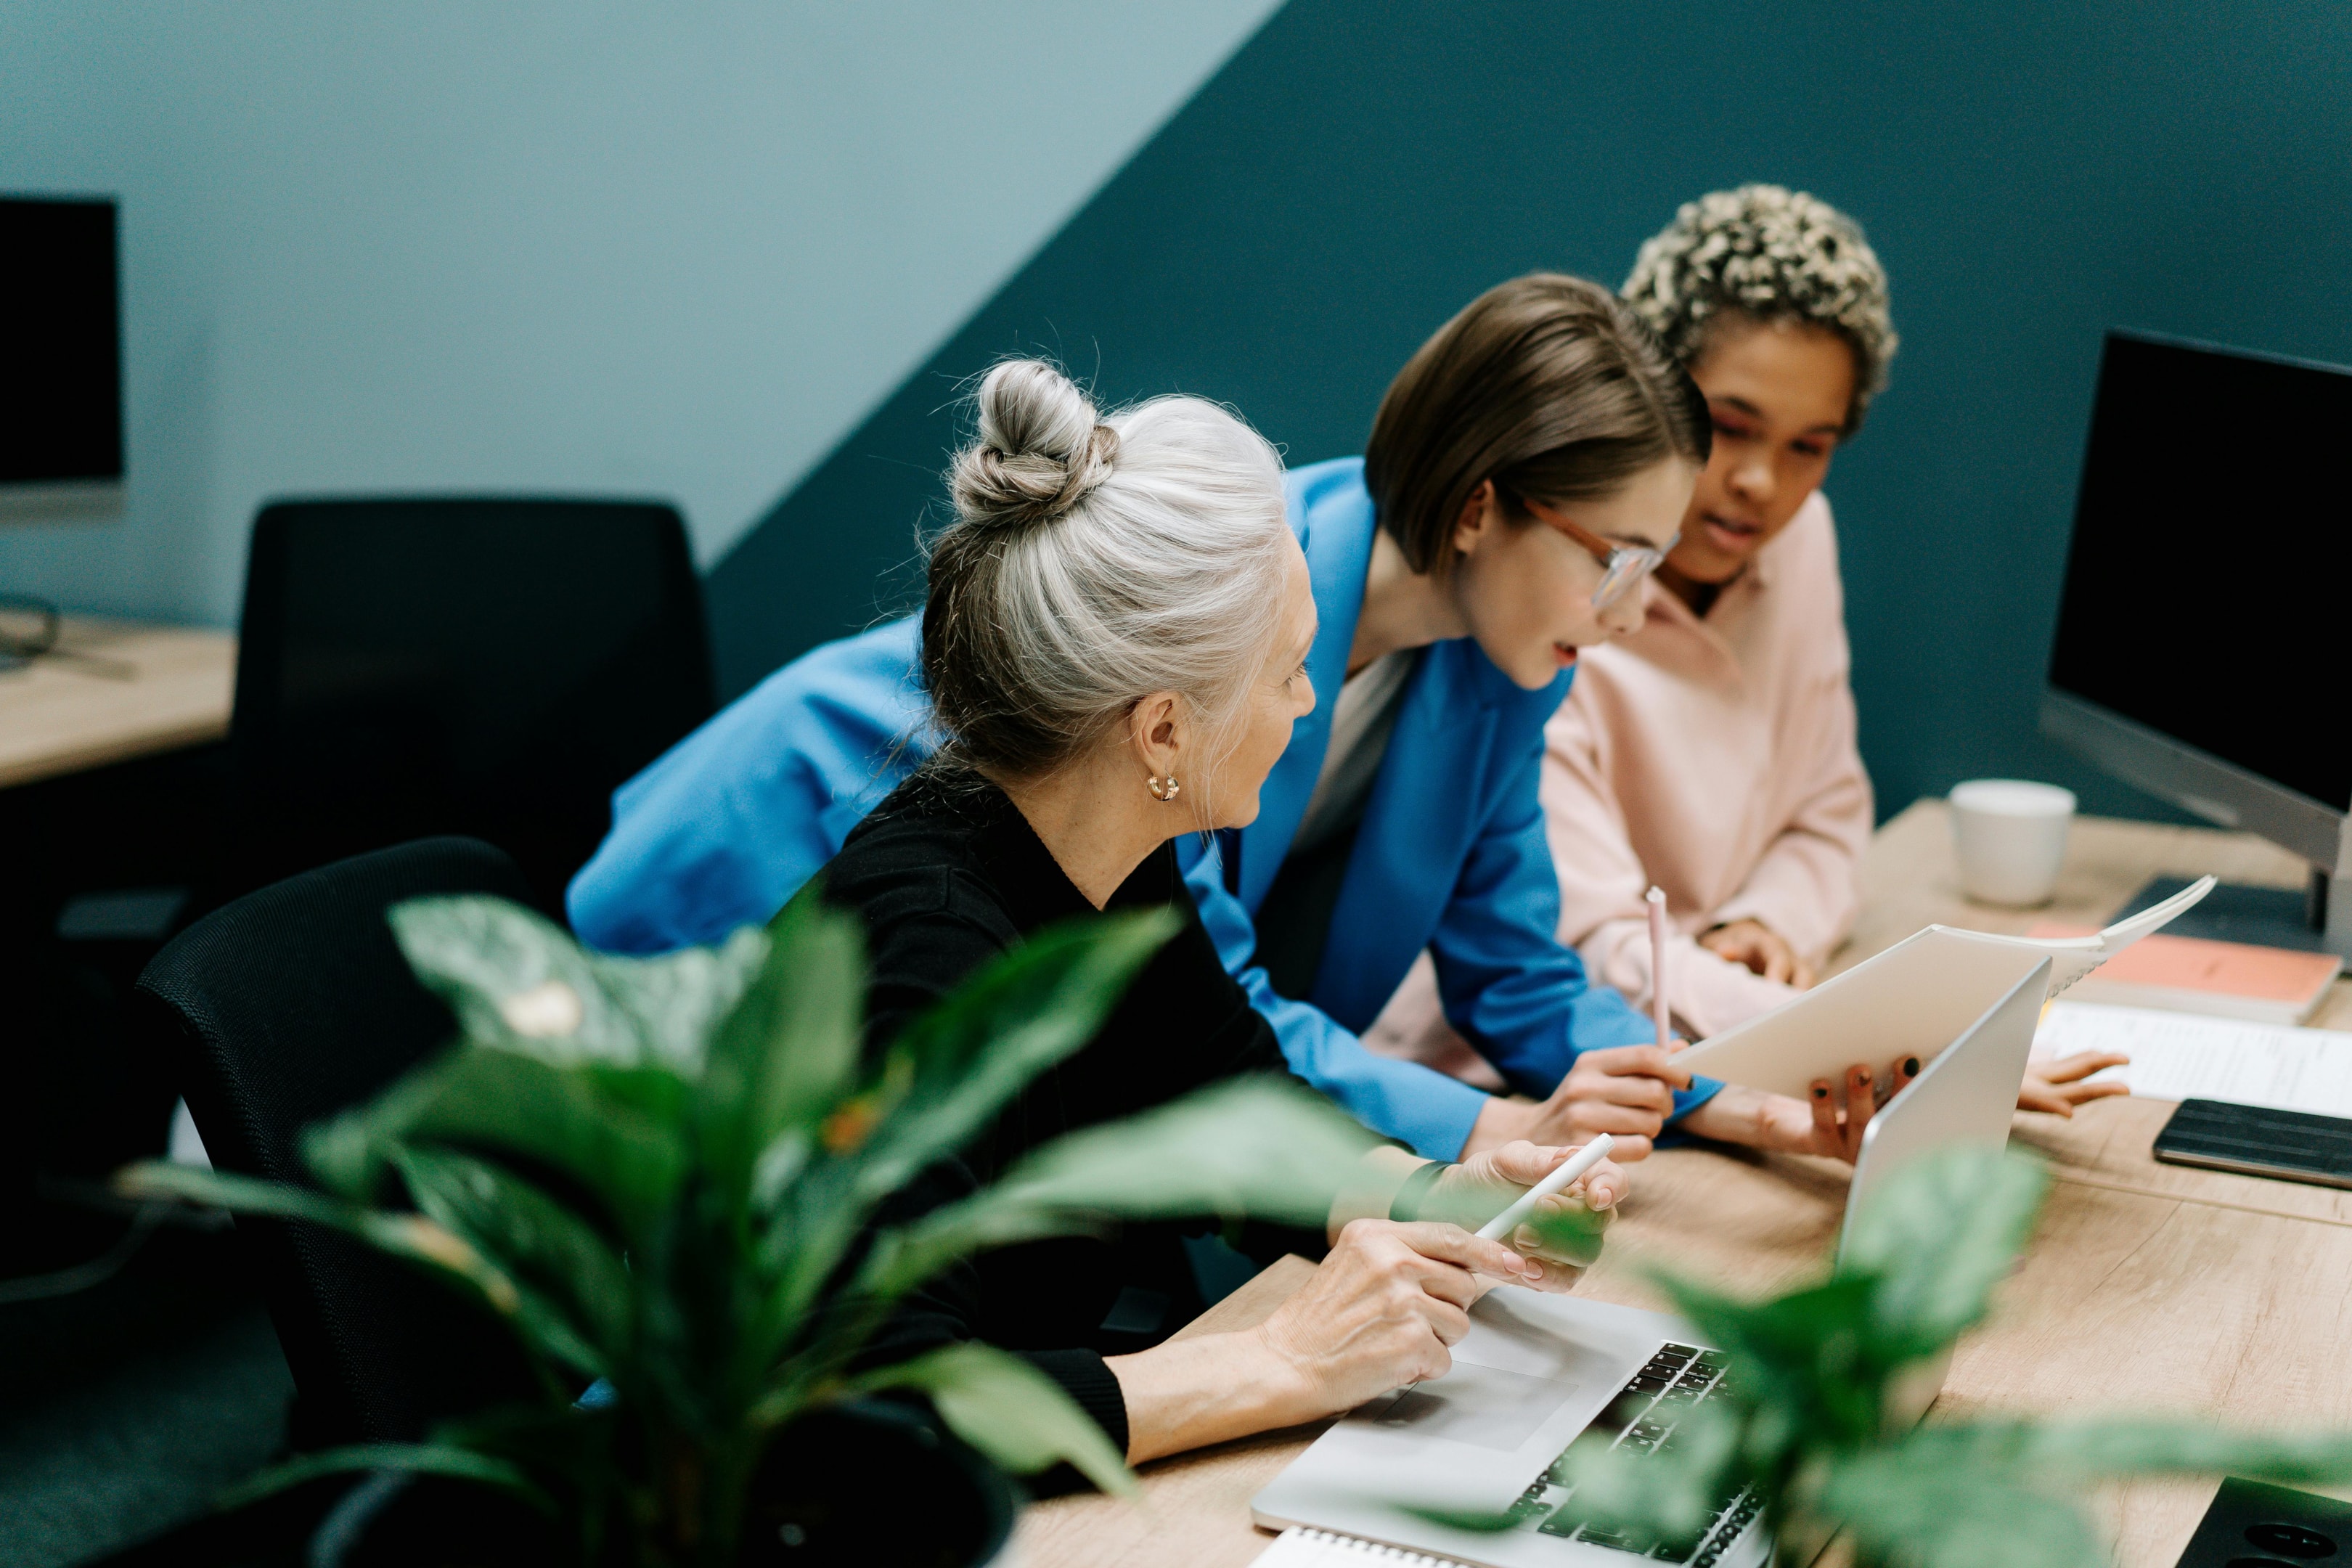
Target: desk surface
(2147, 1288)
(112, 691)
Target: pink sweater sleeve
(1804, 885)
(1602, 883)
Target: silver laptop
(1536, 1371)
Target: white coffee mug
(2009, 836)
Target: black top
(947, 875)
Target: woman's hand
(1626, 1092)
(1830, 1123)
(1382, 1309)
(1761, 949)
(2057, 1087)
(1562, 1237)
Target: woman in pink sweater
(1712, 752)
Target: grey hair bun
(1043, 448)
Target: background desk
(2147, 1288)
(138, 689)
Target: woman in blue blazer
(1526, 469)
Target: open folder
(1914, 999)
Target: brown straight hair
(1549, 386)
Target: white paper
(2184, 1055)
(1914, 999)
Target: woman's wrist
(1370, 1191)
(1188, 1393)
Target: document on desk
(2183, 1056)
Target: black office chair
(279, 1010)
(481, 666)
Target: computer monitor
(2201, 651)
(61, 393)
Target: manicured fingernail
(1534, 1271)
(1863, 1076)
(1820, 1091)
(1910, 1066)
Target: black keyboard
(1641, 1419)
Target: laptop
(1536, 1371)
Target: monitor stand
(2232, 912)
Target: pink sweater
(1717, 758)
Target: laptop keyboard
(1641, 1419)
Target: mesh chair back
(493, 668)
(279, 1010)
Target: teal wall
(2033, 173)
(574, 246)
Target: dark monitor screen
(2208, 585)
(61, 392)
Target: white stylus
(1575, 1165)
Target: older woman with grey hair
(1115, 640)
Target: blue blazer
(1450, 856)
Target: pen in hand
(1656, 900)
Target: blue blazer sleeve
(725, 827)
(1401, 1099)
(1519, 996)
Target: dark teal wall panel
(2032, 173)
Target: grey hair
(1094, 561)
(1772, 254)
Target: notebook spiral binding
(1298, 1547)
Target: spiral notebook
(1299, 1547)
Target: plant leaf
(1940, 1235)
(412, 1237)
(1009, 1411)
(521, 1106)
(574, 1300)
(2087, 1449)
(519, 982)
(1260, 1148)
(951, 1069)
(418, 1458)
(790, 1049)
(1808, 1354)
(1021, 1014)
(1960, 1516)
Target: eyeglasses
(1622, 566)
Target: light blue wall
(544, 245)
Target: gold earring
(1163, 790)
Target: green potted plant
(662, 1173)
(1814, 1415)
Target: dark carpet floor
(127, 1407)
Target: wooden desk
(121, 690)
(2148, 1289)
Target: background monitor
(2200, 653)
(61, 396)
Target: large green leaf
(413, 1237)
(484, 1097)
(1940, 1235)
(2088, 1449)
(952, 1068)
(1260, 1149)
(1807, 1355)
(1010, 1412)
(416, 1458)
(787, 1052)
(576, 1301)
(517, 981)
(1021, 1014)
(1959, 1515)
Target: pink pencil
(1656, 898)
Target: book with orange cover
(2191, 974)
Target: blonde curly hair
(1772, 254)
